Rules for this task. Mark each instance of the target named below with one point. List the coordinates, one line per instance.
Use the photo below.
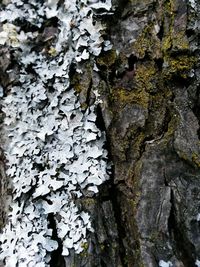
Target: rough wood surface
(149, 85)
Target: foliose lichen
(54, 151)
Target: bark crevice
(57, 260)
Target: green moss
(138, 2)
(172, 126)
(76, 82)
(107, 59)
(124, 97)
(1, 224)
(141, 45)
(84, 106)
(168, 18)
(88, 202)
(137, 170)
(121, 145)
(173, 41)
(182, 63)
(138, 144)
(196, 159)
(179, 65)
(84, 246)
(102, 247)
(145, 76)
(81, 82)
(188, 157)
(131, 206)
(175, 46)
(154, 237)
(84, 253)
(157, 101)
(133, 203)
(180, 41)
(167, 43)
(147, 43)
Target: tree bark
(149, 86)
(147, 213)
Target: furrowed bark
(147, 213)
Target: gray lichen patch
(54, 151)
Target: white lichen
(163, 263)
(197, 263)
(55, 152)
(193, 3)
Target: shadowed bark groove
(57, 260)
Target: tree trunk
(147, 213)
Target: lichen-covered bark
(147, 214)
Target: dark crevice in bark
(180, 82)
(101, 124)
(57, 260)
(26, 26)
(103, 264)
(29, 69)
(166, 184)
(131, 62)
(72, 71)
(190, 33)
(120, 8)
(160, 34)
(171, 219)
(166, 122)
(60, 3)
(51, 22)
(196, 108)
(114, 193)
(182, 247)
(159, 62)
(88, 96)
(4, 191)
(143, 146)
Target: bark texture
(149, 85)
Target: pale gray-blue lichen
(54, 150)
